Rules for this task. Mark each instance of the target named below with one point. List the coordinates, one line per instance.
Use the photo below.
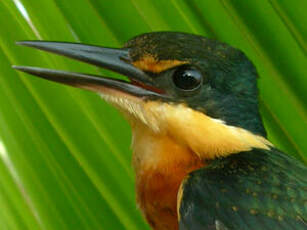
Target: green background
(64, 153)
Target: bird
(201, 156)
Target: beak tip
(15, 67)
(21, 43)
(34, 44)
(22, 68)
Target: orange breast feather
(161, 164)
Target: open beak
(117, 60)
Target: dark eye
(187, 78)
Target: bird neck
(160, 165)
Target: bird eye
(187, 78)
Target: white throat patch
(207, 137)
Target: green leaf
(64, 153)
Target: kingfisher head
(200, 92)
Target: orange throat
(160, 165)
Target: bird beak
(117, 60)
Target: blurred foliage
(64, 153)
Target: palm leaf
(64, 153)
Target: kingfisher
(200, 153)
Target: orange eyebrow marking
(151, 64)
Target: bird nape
(200, 153)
